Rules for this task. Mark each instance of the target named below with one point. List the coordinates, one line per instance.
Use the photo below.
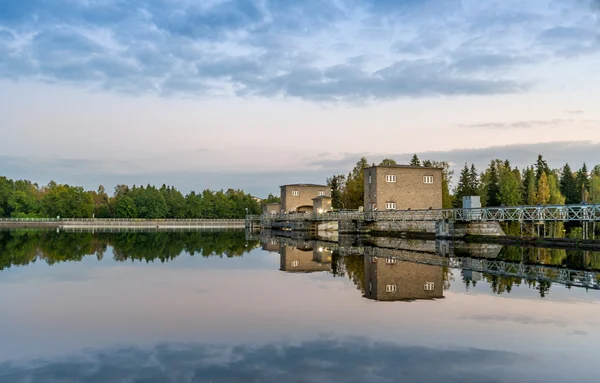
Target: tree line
(24, 199)
(502, 184)
(499, 184)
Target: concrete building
(322, 204)
(304, 259)
(388, 279)
(402, 187)
(272, 208)
(297, 198)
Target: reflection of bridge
(442, 257)
(548, 213)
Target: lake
(237, 307)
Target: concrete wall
(408, 192)
(291, 203)
(456, 230)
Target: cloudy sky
(255, 93)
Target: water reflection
(388, 279)
(328, 360)
(381, 268)
(237, 311)
(304, 258)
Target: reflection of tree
(24, 247)
(501, 284)
(351, 265)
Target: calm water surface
(223, 307)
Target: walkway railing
(563, 213)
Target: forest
(24, 199)
(499, 184)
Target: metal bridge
(532, 272)
(546, 213)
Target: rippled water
(228, 307)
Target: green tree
(541, 166)
(336, 183)
(556, 197)
(510, 188)
(568, 186)
(415, 161)
(387, 162)
(583, 183)
(543, 190)
(464, 187)
(595, 185)
(529, 187)
(493, 187)
(353, 193)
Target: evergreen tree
(474, 180)
(583, 183)
(493, 192)
(541, 167)
(543, 190)
(415, 161)
(464, 187)
(430, 164)
(568, 186)
(529, 186)
(336, 183)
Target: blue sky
(255, 93)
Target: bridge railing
(580, 212)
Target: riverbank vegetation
(24, 199)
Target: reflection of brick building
(388, 279)
(304, 259)
(271, 245)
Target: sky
(253, 94)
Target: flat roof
(316, 185)
(404, 167)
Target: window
(369, 178)
(295, 263)
(429, 286)
(295, 193)
(321, 193)
(427, 179)
(390, 178)
(390, 261)
(390, 205)
(390, 288)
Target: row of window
(296, 193)
(391, 178)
